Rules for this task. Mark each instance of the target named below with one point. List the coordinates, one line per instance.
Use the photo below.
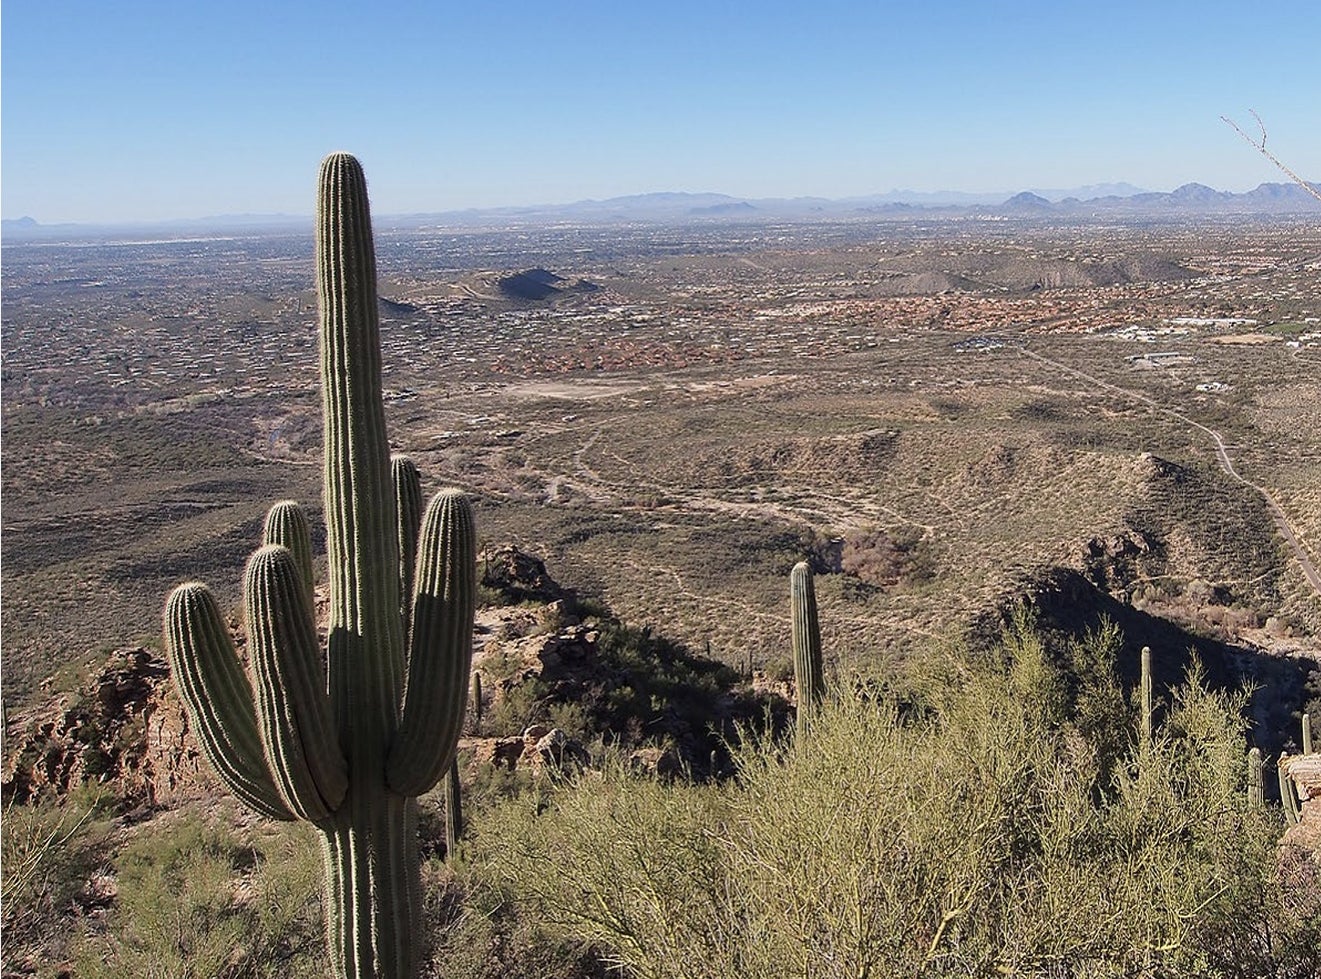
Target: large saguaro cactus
(340, 744)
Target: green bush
(1014, 827)
(197, 901)
(49, 853)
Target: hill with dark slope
(540, 284)
(532, 284)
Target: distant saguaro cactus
(808, 674)
(1307, 733)
(341, 744)
(1256, 780)
(453, 810)
(1148, 706)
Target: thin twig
(1260, 147)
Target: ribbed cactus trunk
(340, 745)
(369, 860)
(808, 672)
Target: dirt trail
(1304, 559)
(843, 512)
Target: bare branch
(1260, 147)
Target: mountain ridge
(676, 206)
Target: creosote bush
(1015, 826)
(49, 851)
(196, 899)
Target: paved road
(1222, 455)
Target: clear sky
(138, 110)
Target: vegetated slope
(1020, 270)
(1013, 765)
(999, 818)
(982, 487)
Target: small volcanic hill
(540, 284)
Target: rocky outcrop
(1304, 777)
(124, 729)
(521, 577)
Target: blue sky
(137, 110)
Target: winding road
(1304, 559)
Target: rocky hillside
(559, 681)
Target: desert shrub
(477, 934)
(49, 851)
(523, 704)
(1001, 830)
(883, 558)
(197, 901)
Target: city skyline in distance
(149, 113)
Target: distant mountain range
(1099, 200)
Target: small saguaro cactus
(344, 742)
(453, 809)
(1148, 706)
(808, 674)
(1256, 780)
(1307, 733)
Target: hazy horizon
(144, 112)
(947, 199)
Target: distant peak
(1198, 192)
(1028, 201)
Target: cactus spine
(342, 745)
(1148, 698)
(1256, 780)
(808, 676)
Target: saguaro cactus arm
(408, 512)
(286, 525)
(217, 697)
(441, 654)
(294, 715)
